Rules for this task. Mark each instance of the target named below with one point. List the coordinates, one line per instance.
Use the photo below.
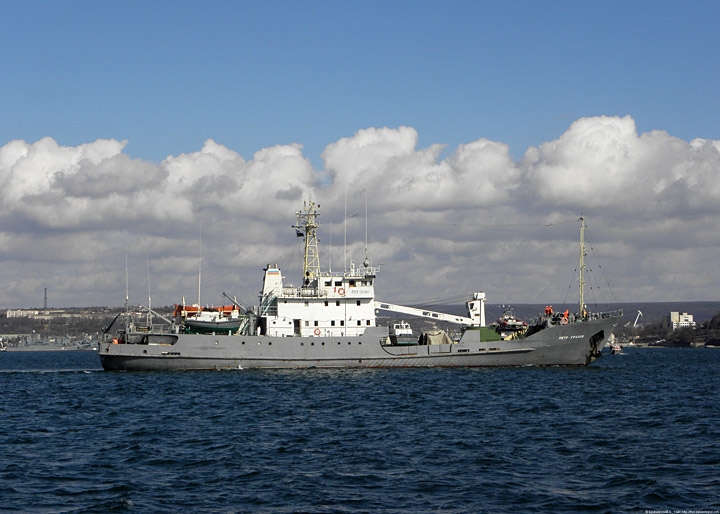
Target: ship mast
(307, 224)
(581, 279)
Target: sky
(141, 142)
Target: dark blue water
(631, 433)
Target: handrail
(304, 292)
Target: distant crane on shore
(636, 318)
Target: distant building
(684, 320)
(42, 315)
(21, 313)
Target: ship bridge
(326, 305)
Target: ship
(330, 321)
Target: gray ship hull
(575, 344)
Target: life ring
(317, 331)
(341, 291)
(564, 321)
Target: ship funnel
(272, 283)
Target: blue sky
(133, 124)
(168, 75)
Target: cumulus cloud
(219, 179)
(387, 163)
(474, 219)
(603, 163)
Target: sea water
(636, 432)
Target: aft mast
(307, 224)
(583, 253)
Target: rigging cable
(602, 271)
(572, 279)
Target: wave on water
(627, 434)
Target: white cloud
(398, 175)
(602, 163)
(440, 225)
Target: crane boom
(475, 307)
(637, 318)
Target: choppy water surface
(631, 433)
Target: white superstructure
(330, 305)
(326, 304)
(333, 304)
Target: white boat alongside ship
(330, 321)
